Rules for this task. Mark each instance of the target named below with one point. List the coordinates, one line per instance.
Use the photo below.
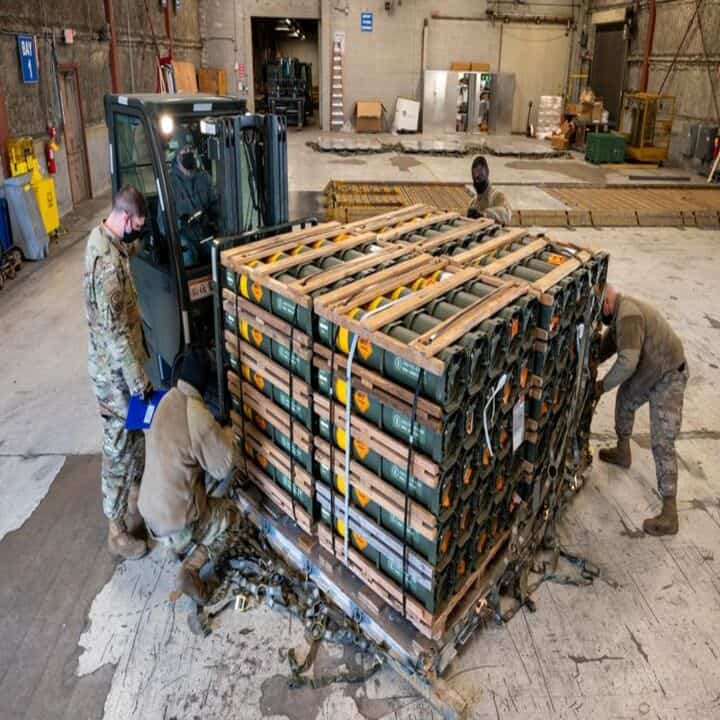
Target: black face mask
(480, 184)
(133, 235)
(187, 160)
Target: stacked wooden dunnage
(383, 373)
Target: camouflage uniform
(492, 204)
(213, 530)
(651, 367)
(116, 359)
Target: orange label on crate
(461, 567)
(361, 449)
(259, 381)
(362, 401)
(555, 259)
(246, 373)
(486, 457)
(257, 337)
(365, 348)
(445, 500)
(482, 541)
(445, 541)
(514, 327)
(260, 422)
(257, 292)
(500, 483)
(506, 392)
(524, 377)
(554, 322)
(360, 542)
(262, 460)
(467, 476)
(361, 498)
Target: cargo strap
(491, 401)
(251, 569)
(331, 431)
(291, 413)
(240, 375)
(408, 473)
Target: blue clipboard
(141, 412)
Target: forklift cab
(208, 170)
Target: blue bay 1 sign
(28, 58)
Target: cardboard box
(460, 66)
(185, 77)
(369, 116)
(597, 111)
(480, 67)
(407, 115)
(212, 81)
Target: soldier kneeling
(183, 443)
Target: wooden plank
(269, 370)
(468, 228)
(453, 328)
(393, 234)
(377, 282)
(502, 264)
(385, 390)
(421, 297)
(380, 491)
(490, 246)
(368, 435)
(280, 497)
(279, 266)
(380, 221)
(349, 267)
(261, 248)
(544, 283)
(378, 583)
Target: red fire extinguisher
(51, 148)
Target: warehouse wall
(689, 81)
(31, 108)
(387, 63)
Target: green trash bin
(605, 148)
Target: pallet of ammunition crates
(380, 374)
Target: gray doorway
(607, 74)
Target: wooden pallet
(432, 626)
(335, 305)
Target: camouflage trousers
(123, 462)
(666, 406)
(213, 530)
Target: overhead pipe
(110, 20)
(648, 47)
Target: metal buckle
(241, 602)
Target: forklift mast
(213, 176)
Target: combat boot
(666, 523)
(133, 519)
(619, 455)
(188, 579)
(121, 543)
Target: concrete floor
(84, 637)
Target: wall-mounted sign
(366, 21)
(28, 58)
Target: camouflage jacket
(116, 351)
(494, 205)
(647, 347)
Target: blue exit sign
(28, 58)
(366, 21)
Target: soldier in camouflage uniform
(116, 359)
(488, 202)
(650, 367)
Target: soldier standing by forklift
(116, 359)
(650, 367)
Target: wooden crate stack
(382, 372)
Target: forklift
(240, 165)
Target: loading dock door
(608, 67)
(74, 136)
